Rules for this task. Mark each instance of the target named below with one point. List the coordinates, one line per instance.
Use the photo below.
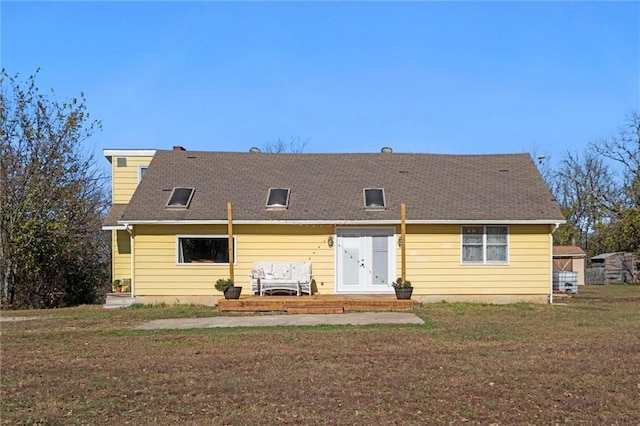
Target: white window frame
(201, 236)
(484, 246)
(140, 167)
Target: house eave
(341, 222)
(108, 153)
(114, 228)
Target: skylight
(374, 198)
(180, 198)
(278, 198)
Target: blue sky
(439, 77)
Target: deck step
(315, 309)
(320, 304)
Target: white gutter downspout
(556, 226)
(129, 228)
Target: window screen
(496, 244)
(484, 244)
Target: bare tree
(295, 145)
(599, 193)
(624, 150)
(585, 190)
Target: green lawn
(575, 362)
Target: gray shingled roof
(114, 215)
(329, 187)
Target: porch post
(403, 236)
(230, 232)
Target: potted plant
(403, 289)
(227, 287)
(116, 287)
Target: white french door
(365, 260)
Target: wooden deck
(316, 304)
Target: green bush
(224, 283)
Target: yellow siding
(434, 263)
(157, 271)
(125, 179)
(433, 260)
(121, 251)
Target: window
(374, 198)
(203, 249)
(484, 244)
(142, 170)
(278, 198)
(180, 198)
(121, 162)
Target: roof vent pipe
(255, 149)
(386, 150)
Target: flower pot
(403, 293)
(232, 292)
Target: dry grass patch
(511, 364)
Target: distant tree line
(52, 200)
(598, 191)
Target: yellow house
(478, 227)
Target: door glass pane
(380, 259)
(350, 261)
